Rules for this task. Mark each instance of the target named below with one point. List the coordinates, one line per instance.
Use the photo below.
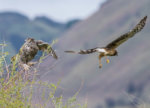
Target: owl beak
(117, 54)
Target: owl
(110, 48)
(29, 50)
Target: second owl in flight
(110, 49)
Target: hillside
(123, 82)
(15, 28)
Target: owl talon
(107, 60)
(26, 67)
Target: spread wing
(126, 36)
(84, 51)
(44, 46)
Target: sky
(59, 10)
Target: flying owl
(29, 50)
(110, 49)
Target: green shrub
(13, 84)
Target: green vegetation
(16, 90)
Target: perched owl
(28, 51)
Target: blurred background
(84, 24)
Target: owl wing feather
(88, 51)
(44, 46)
(114, 44)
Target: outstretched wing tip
(53, 53)
(126, 36)
(145, 17)
(56, 57)
(70, 51)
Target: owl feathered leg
(100, 57)
(100, 63)
(25, 67)
(31, 63)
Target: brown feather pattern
(83, 51)
(126, 36)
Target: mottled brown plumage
(126, 36)
(110, 49)
(29, 50)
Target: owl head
(29, 40)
